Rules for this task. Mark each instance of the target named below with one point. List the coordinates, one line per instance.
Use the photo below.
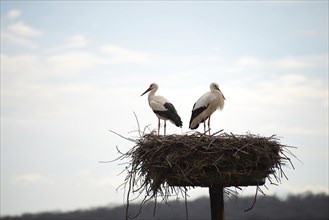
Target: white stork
(205, 106)
(162, 108)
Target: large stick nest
(158, 163)
(203, 160)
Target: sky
(73, 70)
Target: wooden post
(216, 202)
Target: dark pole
(217, 202)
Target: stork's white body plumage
(162, 108)
(205, 106)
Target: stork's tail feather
(195, 121)
(177, 120)
(171, 116)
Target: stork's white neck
(152, 93)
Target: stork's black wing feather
(170, 107)
(170, 114)
(195, 113)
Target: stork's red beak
(146, 91)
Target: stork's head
(153, 87)
(214, 87)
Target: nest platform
(206, 160)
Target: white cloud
(292, 88)
(17, 68)
(14, 13)
(248, 61)
(84, 173)
(18, 33)
(10, 38)
(286, 91)
(110, 181)
(307, 61)
(120, 55)
(87, 178)
(72, 63)
(76, 41)
(21, 29)
(314, 32)
(287, 62)
(30, 179)
(65, 64)
(293, 62)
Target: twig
(128, 139)
(254, 200)
(139, 130)
(217, 132)
(128, 194)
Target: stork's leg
(209, 125)
(204, 126)
(159, 126)
(164, 127)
